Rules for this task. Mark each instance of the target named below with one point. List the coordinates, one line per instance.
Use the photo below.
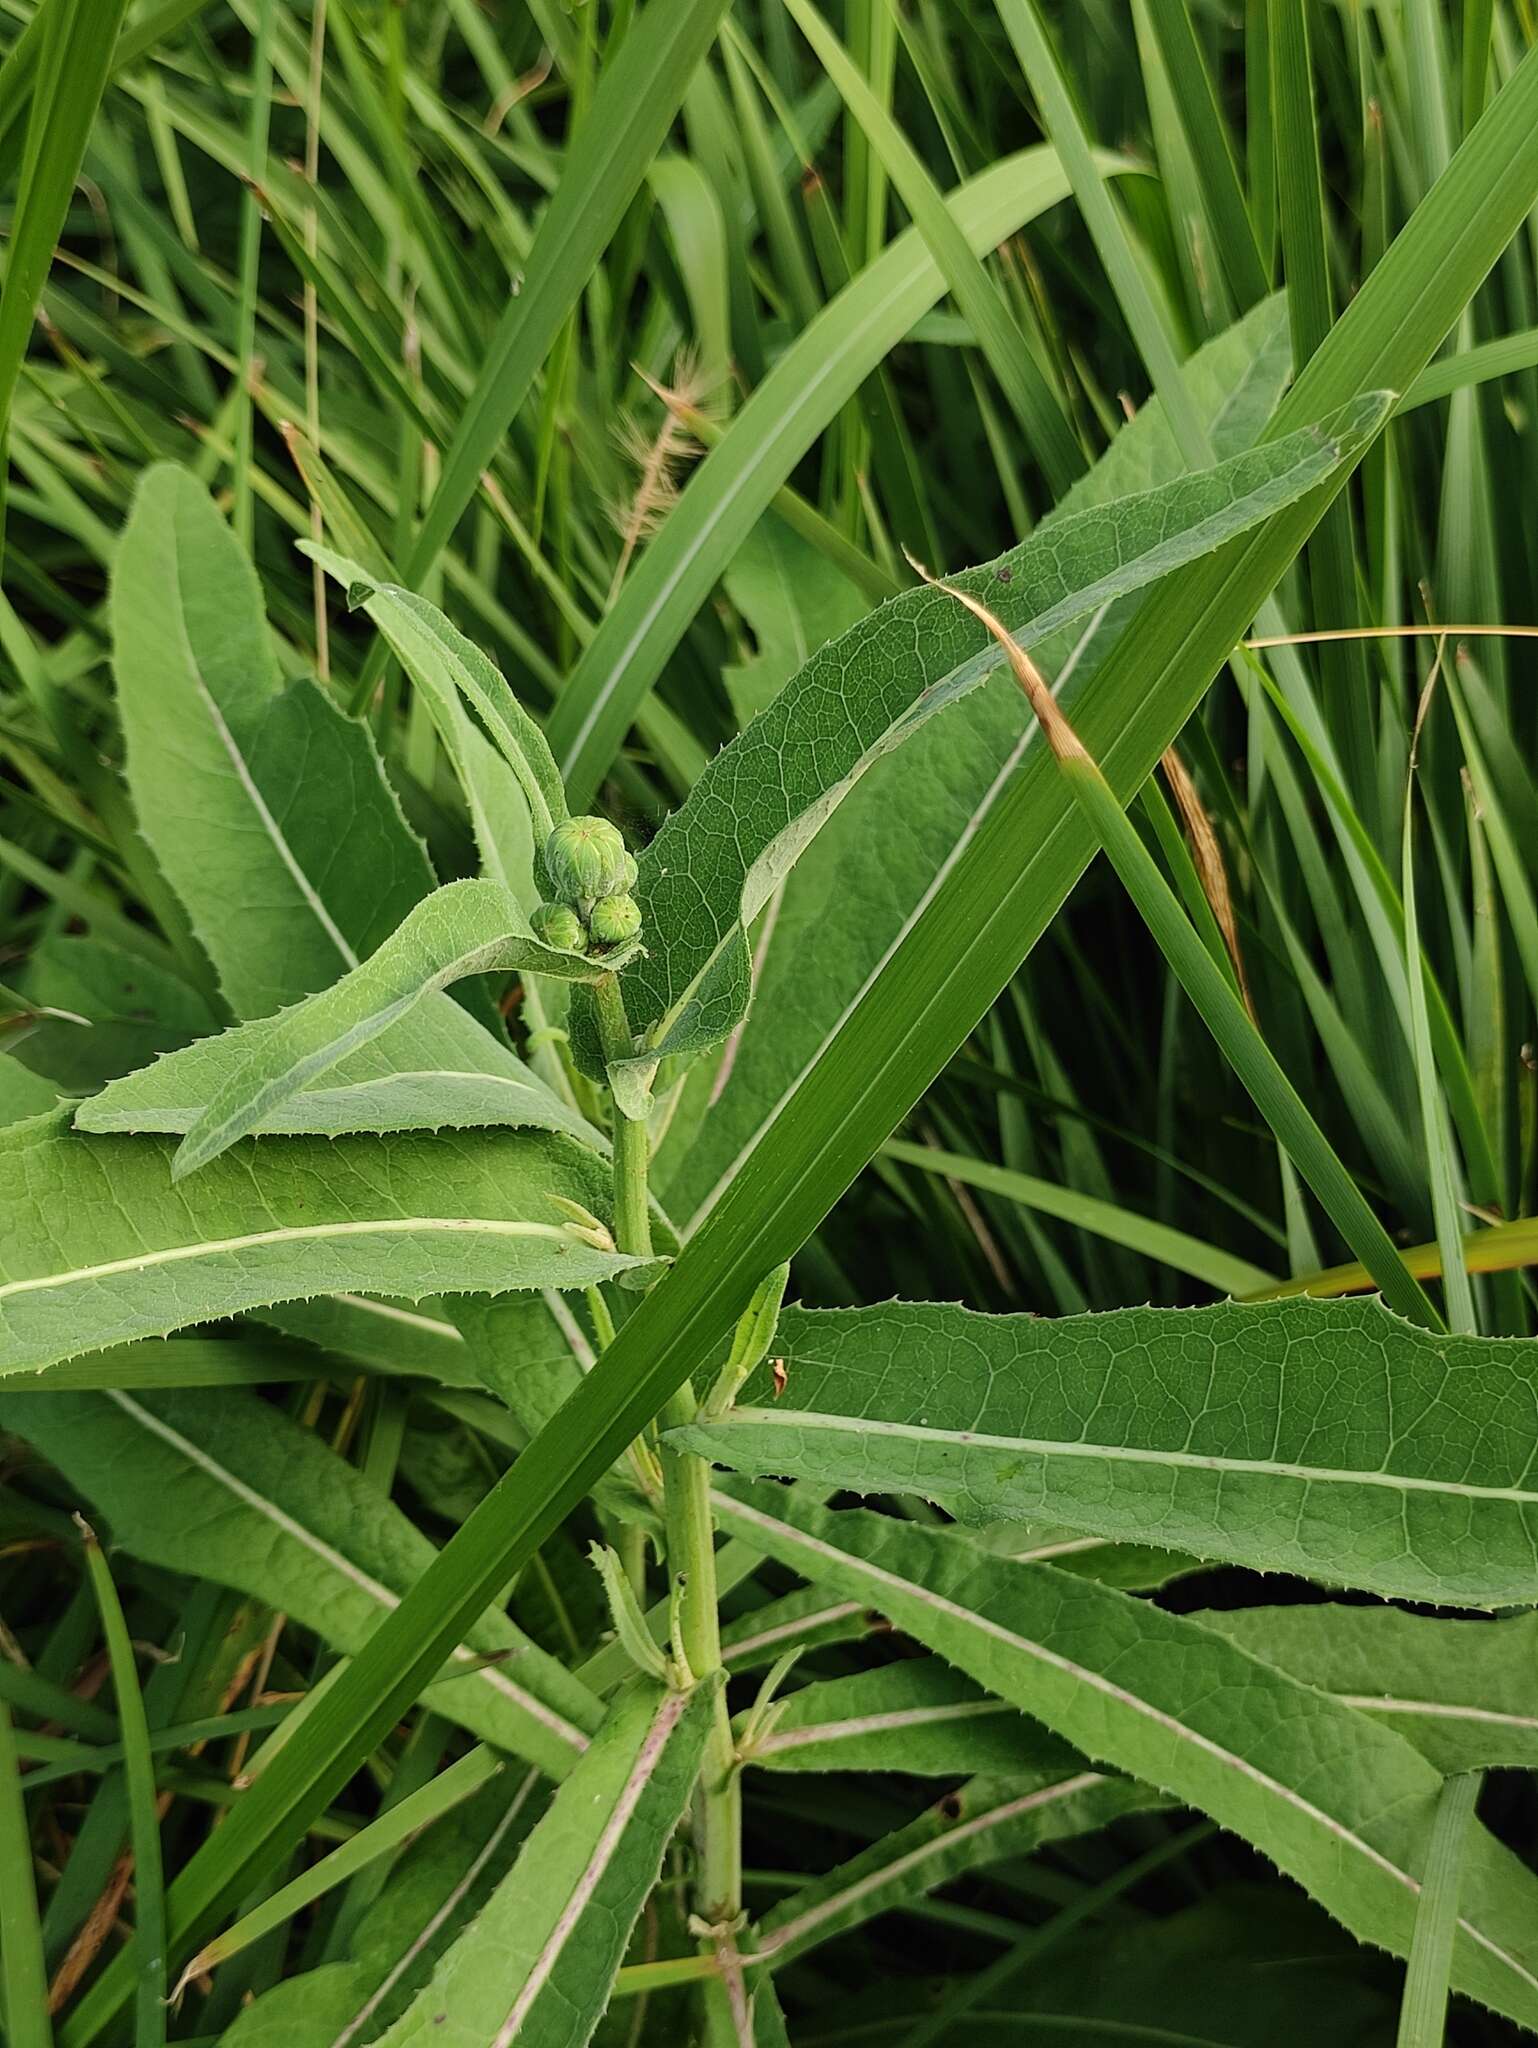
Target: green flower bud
(558, 925)
(614, 919)
(586, 858)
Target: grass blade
(149, 1938)
(631, 112)
(23, 1972)
(1423, 2015)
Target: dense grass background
(287, 262)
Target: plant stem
(691, 1536)
(691, 1540)
(632, 1220)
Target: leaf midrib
(289, 1234)
(1132, 1454)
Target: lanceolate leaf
(979, 1823)
(270, 814)
(715, 864)
(464, 929)
(860, 884)
(453, 673)
(435, 1070)
(100, 1010)
(1341, 1803)
(223, 1482)
(535, 1968)
(794, 599)
(531, 1352)
(810, 1617)
(286, 885)
(1276, 1437)
(1465, 1692)
(101, 1246)
(918, 1711)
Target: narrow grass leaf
(1039, 412)
(1423, 2015)
(381, 1837)
(1175, 1249)
(23, 1970)
(71, 49)
(631, 112)
(149, 1935)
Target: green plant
(510, 1070)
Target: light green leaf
(1330, 1440)
(982, 1822)
(717, 861)
(270, 815)
(919, 1712)
(223, 1480)
(1135, 1567)
(464, 929)
(1340, 1803)
(101, 1246)
(23, 1093)
(811, 1617)
(1464, 1692)
(389, 1336)
(532, 1353)
(857, 887)
(449, 670)
(536, 1967)
(805, 1619)
(265, 808)
(437, 1069)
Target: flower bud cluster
(591, 876)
